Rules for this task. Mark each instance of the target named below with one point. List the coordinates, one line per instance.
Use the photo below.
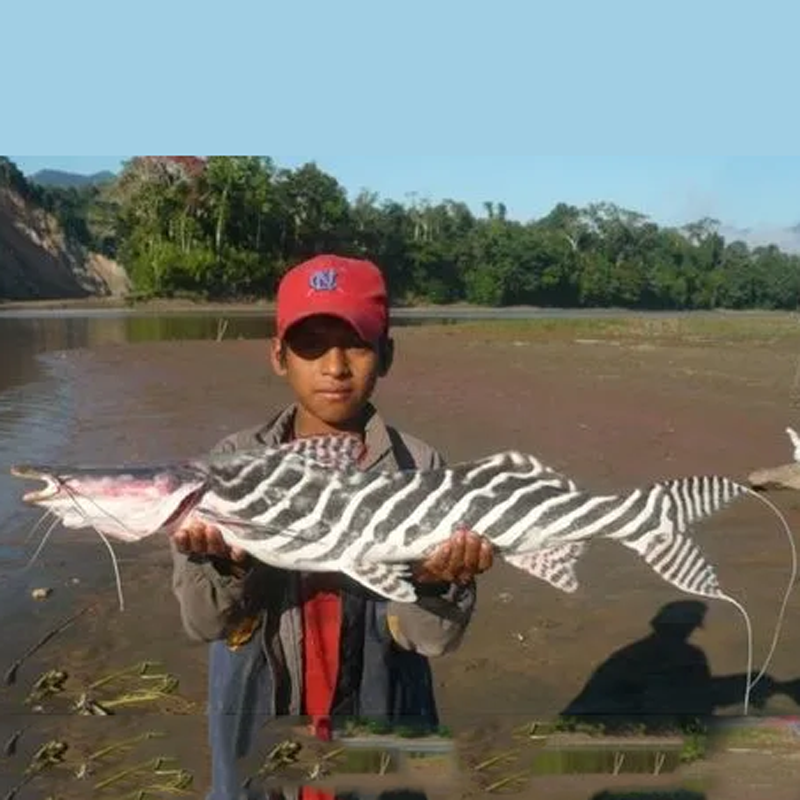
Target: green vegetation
(770, 329)
(228, 227)
(693, 732)
(695, 743)
(86, 213)
(357, 727)
(651, 794)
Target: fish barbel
(307, 506)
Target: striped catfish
(308, 506)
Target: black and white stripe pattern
(660, 534)
(302, 507)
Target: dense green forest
(229, 227)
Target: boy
(285, 643)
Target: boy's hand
(457, 560)
(196, 538)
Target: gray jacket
(205, 591)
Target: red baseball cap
(351, 289)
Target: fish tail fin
(701, 496)
(659, 533)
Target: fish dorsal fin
(335, 450)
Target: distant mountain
(66, 180)
(41, 258)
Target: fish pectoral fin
(554, 565)
(391, 581)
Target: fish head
(126, 503)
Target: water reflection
(25, 338)
(37, 395)
(34, 421)
(631, 759)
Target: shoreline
(183, 303)
(123, 304)
(164, 304)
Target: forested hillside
(46, 248)
(229, 227)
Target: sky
(441, 98)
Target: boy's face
(331, 370)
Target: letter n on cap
(323, 280)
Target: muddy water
(37, 397)
(36, 406)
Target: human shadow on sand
(662, 682)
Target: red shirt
(312, 793)
(322, 615)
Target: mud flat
(614, 404)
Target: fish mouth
(48, 492)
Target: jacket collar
(376, 435)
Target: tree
(231, 225)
